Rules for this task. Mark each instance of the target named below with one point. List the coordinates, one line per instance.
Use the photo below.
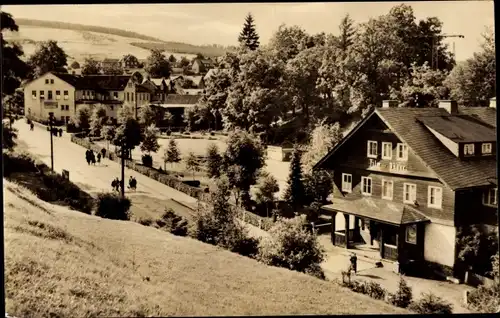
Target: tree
(150, 141)
(168, 118)
(403, 296)
(213, 161)
(157, 64)
(287, 42)
(83, 114)
(14, 69)
(213, 101)
(199, 56)
(91, 67)
(172, 59)
(291, 246)
(347, 34)
(295, 193)
(318, 186)
(112, 69)
(14, 103)
(247, 153)
(267, 188)
(424, 88)
(108, 133)
(322, 139)
(184, 62)
(75, 65)
(48, 57)
(9, 136)
(171, 154)
(248, 36)
(98, 120)
(128, 134)
(147, 115)
(473, 82)
(192, 163)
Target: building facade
(420, 174)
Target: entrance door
(364, 230)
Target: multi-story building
(201, 66)
(406, 179)
(61, 94)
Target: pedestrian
(103, 151)
(354, 261)
(60, 132)
(118, 184)
(134, 183)
(87, 156)
(92, 157)
(113, 184)
(99, 158)
(32, 126)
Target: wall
(470, 208)
(439, 244)
(278, 153)
(37, 107)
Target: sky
(221, 23)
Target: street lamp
(51, 123)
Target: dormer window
(402, 152)
(490, 197)
(372, 149)
(469, 149)
(486, 149)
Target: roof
(192, 91)
(452, 171)
(461, 128)
(196, 79)
(110, 60)
(142, 89)
(157, 81)
(95, 82)
(182, 99)
(378, 209)
(487, 115)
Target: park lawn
(62, 263)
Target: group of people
(116, 184)
(91, 157)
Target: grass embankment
(68, 264)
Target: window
(67, 107)
(372, 149)
(435, 197)
(33, 94)
(51, 81)
(346, 182)
(490, 197)
(402, 152)
(58, 94)
(128, 96)
(62, 107)
(49, 96)
(469, 149)
(386, 150)
(132, 96)
(66, 95)
(42, 94)
(111, 107)
(115, 95)
(62, 119)
(409, 193)
(366, 185)
(67, 119)
(411, 234)
(46, 81)
(387, 189)
(486, 149)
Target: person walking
(32, 126)
(113, 184)
(87, 156)
(60, 132)
(118, 184)
(103, 152)
(92, 157)
(99, 158)
(354, 262)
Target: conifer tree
(172, 153)
(295, 193)
(214, 160)
(248, 36)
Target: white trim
(408, 227)
(384, 181)
(439, 198)
(368, 154)
(345, 187)
(413, 196)
(363, 179)
(469, 150)
(405, 152)
(389, 156)
(486, 148)
(487, 198)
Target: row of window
(434, 194)
(140, 96)
(49, 94)
(485, 149)
(64, 107)
(401, 150)
(47, 81)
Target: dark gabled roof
(460, 128)
(108, 82)
(143, 89)
(487, 115)
(107, 60)
(378, 209)
(182, 99)
(452, 171)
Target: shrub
(147, 160)
(403, 296)
(18, 162)
(192, 183)
(145, 221)
(291, 246)
(113, 206)
(431, 304)
(485, 299)
(173, 223)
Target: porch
(377, 228)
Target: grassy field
(61, 263)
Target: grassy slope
(71, 264)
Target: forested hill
(82, 27)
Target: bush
(17, 162)
(192, 183)
(431, 304)
(145, 221)
(403, 296)
(113, 206)
(485, 299)
(147, 160)
(173, 223)
(291, 246)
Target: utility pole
(51, 122)
(435, 49)
(122, 153)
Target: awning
(378, 209)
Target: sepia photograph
(249, 159)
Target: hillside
(68, 263)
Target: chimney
(451, 106)
(493, 102)
(389, 103)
